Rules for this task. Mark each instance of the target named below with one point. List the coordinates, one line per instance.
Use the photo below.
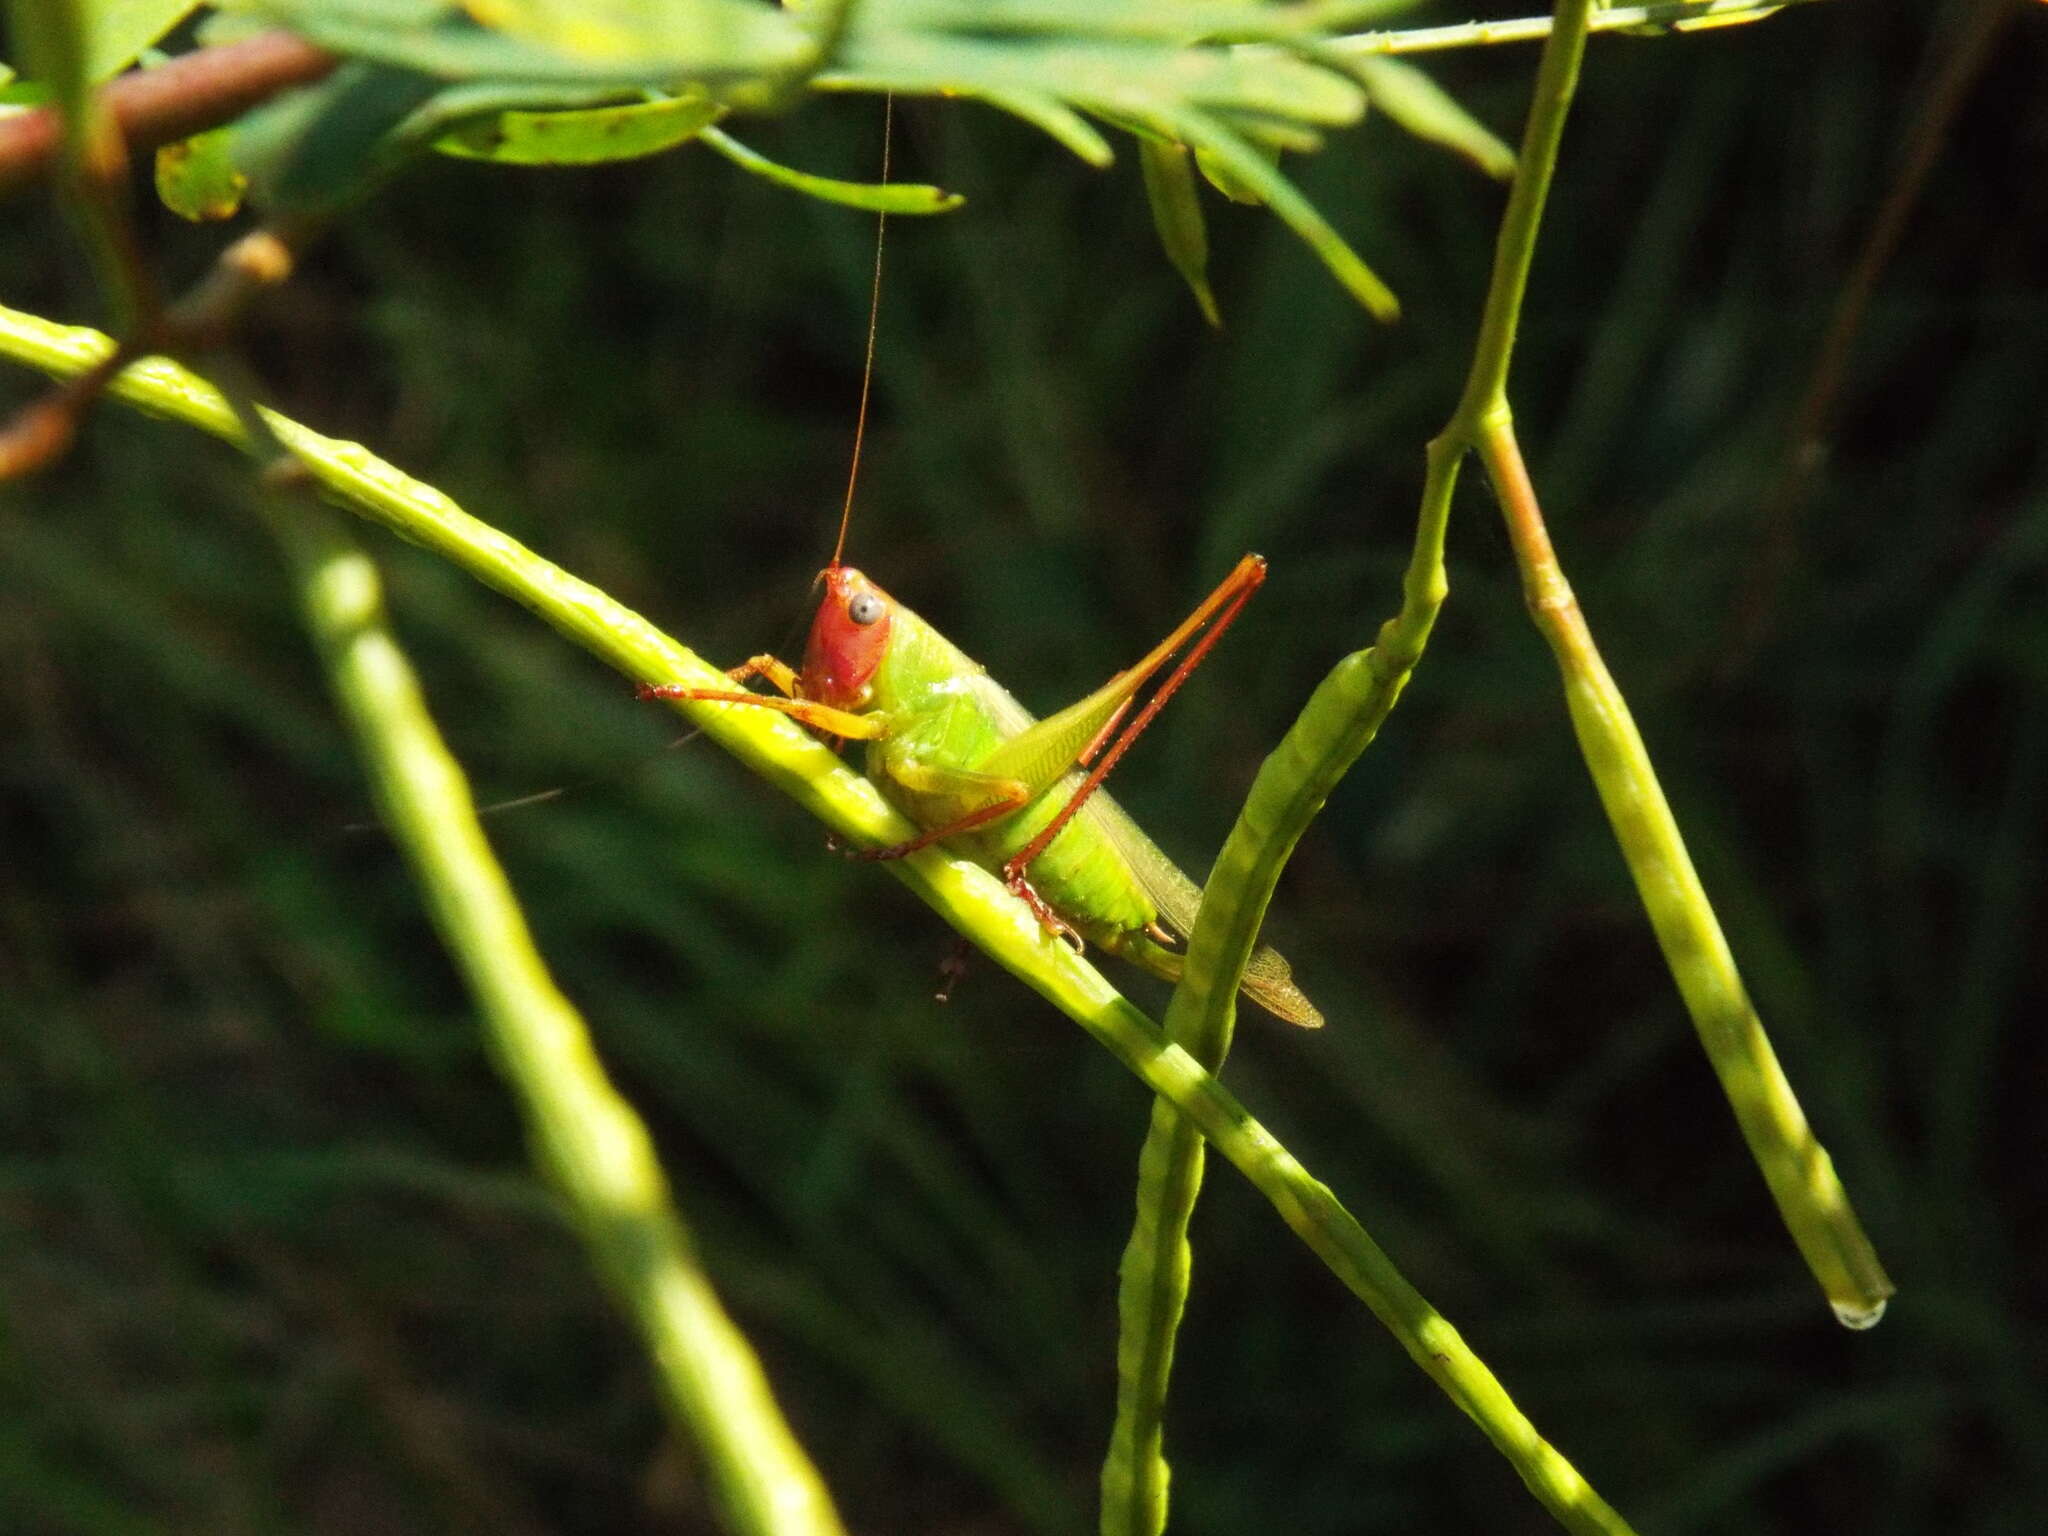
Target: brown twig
(152, 107)
(137, 113)
(43, 430)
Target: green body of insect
(950, 748)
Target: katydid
(950, 748)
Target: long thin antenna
(867, 372)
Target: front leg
(820, 717)
(780, 674)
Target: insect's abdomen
(1080, 872)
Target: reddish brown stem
(152, 107)
(43, 430)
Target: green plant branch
(1681, 15)
(1799, 1173)
(1339, 722)
(968, 897)
(1797, 1168)
(593, 1146)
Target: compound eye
(864, 609)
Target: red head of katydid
(850, 634)
(849, 637)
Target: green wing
(1268, 979)
(1040, 752)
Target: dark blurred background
(270, 1256)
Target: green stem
(1797, 1168)
(1682, 14)
(583, 1133)
(1800, 1175)
(967, 896)
(1557, 79)
(1339, 722)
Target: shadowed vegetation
(271, 1258)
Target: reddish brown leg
(1225, 602)
(1042, 909)
(967, 823)
(1015, 882)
